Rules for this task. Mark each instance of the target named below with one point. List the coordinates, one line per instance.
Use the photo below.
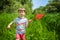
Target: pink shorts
(20, 36)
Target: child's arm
(9, 25)
(28, 22)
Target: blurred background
(46, 28)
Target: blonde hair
(21, 8)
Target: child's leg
(17, 37)
(23, 36)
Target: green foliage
(9, 5)
(51, 9)
(53, 6)
(46, 28)
(52, 22)
(12, 5)
(6, 34)
(43, 29)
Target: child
(21, 24)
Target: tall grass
(37, 29)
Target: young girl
(21, 24)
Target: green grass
(37, 29)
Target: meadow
(47, 28)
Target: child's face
(21, 12)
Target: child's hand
(8, 26)
(30, 20)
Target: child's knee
(17, 39)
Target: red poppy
(39, 16)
